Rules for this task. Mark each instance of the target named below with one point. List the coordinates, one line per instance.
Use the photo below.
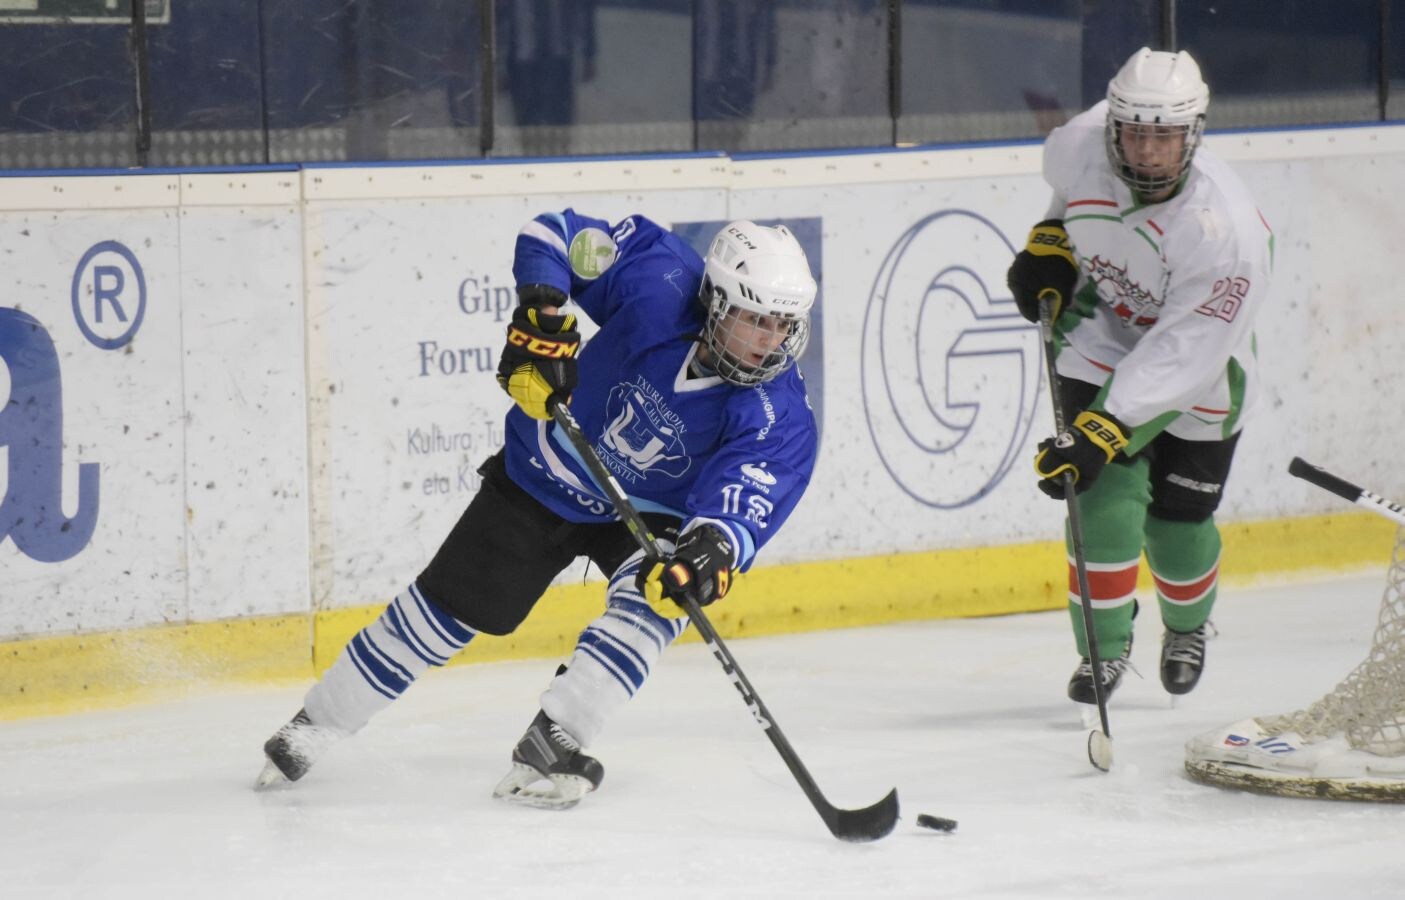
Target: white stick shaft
(1378, 504)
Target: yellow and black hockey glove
(701, 566)
(1045, 266)
(1082, 450)
(538, 363)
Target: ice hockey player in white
(1158, 262)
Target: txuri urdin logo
(950, 372)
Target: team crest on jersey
(1132, 303)
(643, 435)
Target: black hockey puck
(936, 823)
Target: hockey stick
(1305, 470)
(1099, 742)
(868, 824)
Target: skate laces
(559, 735)
(1186, 647)
(1112, 668)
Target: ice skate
(293, 749)
(549, 770)
(1080, 684)
(1182, 659)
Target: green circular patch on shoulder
(592, 252)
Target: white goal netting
(1348, 745)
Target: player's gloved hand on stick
(1044, 267)
(538, 363)
(1083, 449)
(700, 566)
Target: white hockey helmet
(762, 271)
(1156, 87)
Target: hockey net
(1349, 745)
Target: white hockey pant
(612, 659)
(384, 659)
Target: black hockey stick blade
(862, 825)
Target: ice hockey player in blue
(691, 396)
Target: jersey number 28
(1226, 298)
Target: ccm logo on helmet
(736, 233)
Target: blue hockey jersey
(700, 449)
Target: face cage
(1148, 184)
(733, 370)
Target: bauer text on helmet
(1155, 116)
(758, 291)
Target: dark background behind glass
(238, 82)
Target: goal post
(1350, 744)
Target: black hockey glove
(701, 567)
(1045, 266)
(1082, 450)
(538, 363)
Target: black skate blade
(868, 824)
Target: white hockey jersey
(1167, 295)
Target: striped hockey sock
(1185, 562)
(612, 659)
(384, 659)
(1112, 587)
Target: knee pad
(1174, 503)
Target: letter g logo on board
(950, 374)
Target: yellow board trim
(59, 675)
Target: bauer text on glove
(700, 567)
(1081, 450)
(538, 363)
(1045, 267)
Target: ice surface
(966, 718)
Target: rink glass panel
(578, 77)
(69, 100)
(778, 75)
(360, 81)
(369, 81)
(1307, 62)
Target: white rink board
(246, 411)
(196, 426)
(121, 415)
(297, 423)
